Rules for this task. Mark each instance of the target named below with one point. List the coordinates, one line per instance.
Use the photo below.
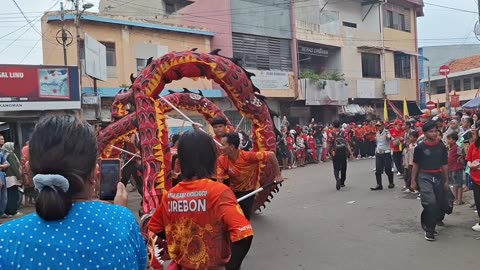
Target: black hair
(64, 145)
(336, 123)
(430, 124)
(197, 155)
(408, 124)
(233, 139)
(453, 135)
(218, 121)
(469, 120)
(478, 115)
(414, 134)
(459, 114)
(175, 138)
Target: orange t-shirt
(244, 173)
(200, 219)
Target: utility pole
(429, 86)
(64, 34)
(77, 29)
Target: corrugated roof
(464, 64)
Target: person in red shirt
(455, 167)
(370, 137)
(473, 161)
(312, 147)
(200, 219)
(396, 144)
(242, 169)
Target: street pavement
(310, 225)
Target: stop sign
(430, 105)
(444, 70)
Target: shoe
(376, 188)
(342, 185)
(338, 185)
(406, 191)
(476, 227)
(415, 192)
(429, 236)
(398, 174)
(18, 214)
(435, 233)
(374, 169)
(440, 223)
(391, 185)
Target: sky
(439, 26)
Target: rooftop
(464, 64)
(126, 21)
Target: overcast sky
(439, 26)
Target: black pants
(360, 148)
(13, 195)
(407, 175)
(340, 168)
(432, 190)
(476, 196)
(131, 170)
(383, 163)
(397, 158)
(246, 204)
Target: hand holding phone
(110, 173)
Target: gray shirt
(383, 141)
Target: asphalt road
(310, 225)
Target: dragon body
(148, 116)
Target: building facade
(311, 57)
(129, 43)
(464, 76)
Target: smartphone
(110, 173)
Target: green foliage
(328, 76)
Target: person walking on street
(396, 145)
(430, 173)
(339, 151)
(383, 158)
(13, 177)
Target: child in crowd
(455, 167)
(412, 143)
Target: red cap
(419, 124)
(399, 122)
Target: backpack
(340, 142)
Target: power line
(30, 51)
(451, 8)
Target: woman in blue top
(69, 230)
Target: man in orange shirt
(242, 169)
(370, 134)
(201, 220)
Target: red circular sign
(444, 70)
(430, 105)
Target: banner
(27, 88)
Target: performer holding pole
(242, 169)
(201, 210)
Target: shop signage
(270, 80)
(311, 50)
(27, 88)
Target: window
(263, 53)
(457, 85)
(402, 66)
(402, 22)
(389, 19)
(396, 17)
(349, 24)
(111, 57)
(476, 83)
(440, 89)
(370, 65)
(467, 84)
(141, 63)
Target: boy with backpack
(339, 149)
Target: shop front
(28, 92)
